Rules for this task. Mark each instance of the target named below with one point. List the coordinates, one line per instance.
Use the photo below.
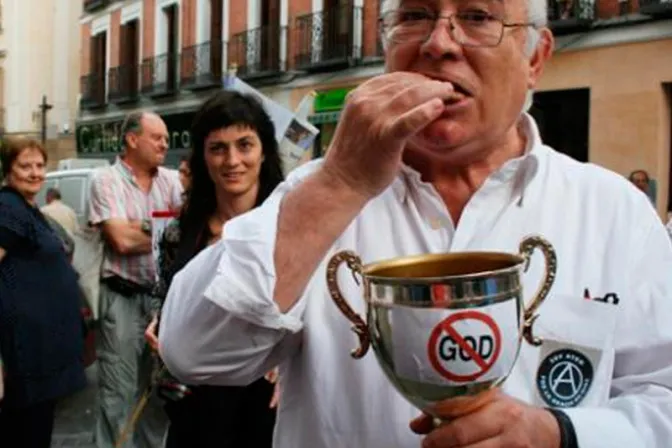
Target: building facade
(39, 60)
(605, 97)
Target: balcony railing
(92, 89)
(94, 5)
(657, 8)
(159, 75)
(567, 16)
(201, 65)
(256, 52)
(123, 83)
(325, 38)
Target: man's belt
(125, 287)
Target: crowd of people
(234, 319)
(234, 166)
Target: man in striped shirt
(122, 200)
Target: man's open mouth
(459, 94)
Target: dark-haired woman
(235, 165)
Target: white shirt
(221, 326)
(62, 214)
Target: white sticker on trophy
(455, 347)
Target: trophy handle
(360, 328)
(527, 247)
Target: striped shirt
(116, 195)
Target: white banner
(294, 134)
(455, 347)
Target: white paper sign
(455, 347)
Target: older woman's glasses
(471, 27)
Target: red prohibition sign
(446, 325)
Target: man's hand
(502, 422)
(378, 118)
(150, 334)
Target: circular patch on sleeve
(564, 378)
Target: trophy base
(444, 402)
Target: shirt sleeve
(220, 324)
(102, 200)
(639, 411)
(15, 224)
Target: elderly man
(123, 198)
(437, 155)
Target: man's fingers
(416, 119)
(395, 78)
(486, 423)
(423, 424)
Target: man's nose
(440, 41)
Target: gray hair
(132, 124)
(537, 15)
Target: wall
(41, 38)
(629, 117)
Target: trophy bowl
(445, 328)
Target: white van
(74, 185)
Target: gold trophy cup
(445, 328)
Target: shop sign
(104, 137)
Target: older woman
(41, 336)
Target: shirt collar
(521, 169)
(127, 171)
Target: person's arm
(253, 285)
(639, 412)
(227, 289)
(124, 236)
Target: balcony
(159, 75)
(92, 90)
(656, 8)
(570, 16)
(256, 52)
(324, 39)
(123, 84)
(95, 5)
(201, 65)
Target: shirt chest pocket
(576, 359)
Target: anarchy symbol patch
(564, 378)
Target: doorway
(563, 117)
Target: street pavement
(75, 416)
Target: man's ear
(541, 53)
(131, 140)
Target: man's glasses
(473, 27)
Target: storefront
(102, 139)
(327, 108)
